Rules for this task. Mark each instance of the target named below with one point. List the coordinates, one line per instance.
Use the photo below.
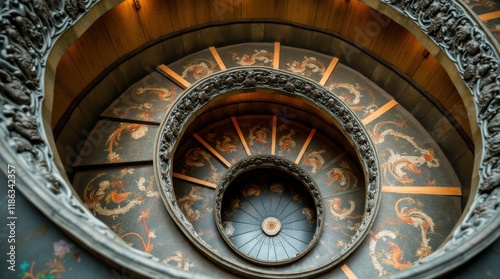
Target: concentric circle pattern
(269, 216)
(283, 123)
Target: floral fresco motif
(109, 197)
(315, 160)
(187, 203)
(354, 96)
(147, 246)
(199, 68)
(397, 165)
(286, 142)
(165, 95)
(418, 219)
(180, 259)
(225, 143)
(342, 178)
(136, 131)
(307, 67)
(257, 134)
(55, 268)
(251, 190)
(197, 158)
(339, 213)
(393, 257)
(258, 58)
(234, 205)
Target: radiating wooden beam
(276, 59)
(304, 147)
(212, 150)
(273, 145)
(329, 70)
(383, 109)
(240, 134)
(348, 272)
(489, 16)
(170, 74)
(425, 190)
(194, 180)
(217, 58)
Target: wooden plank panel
(323, 13)
(397, 35)
(97, 47)
(194, 180)
(185, 9)
(217, 58)
(298, 12)
(426, 70)
(155, 19)
(438, 82)
(174, 15)
(212, 150)
(83, 67)
(72, 81)
(169, 73)
(276, 59)
(329, 70)
(201, 8)
(425, 190)
(383, 109)
(350, 14)
(348, 272)
(123, 26)
(386, 44)
(241, 136)
(273, 137)
(411, 56)
(304, 147)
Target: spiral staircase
(255, 159)
(418, 207)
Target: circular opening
(268, 215)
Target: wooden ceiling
(125, 28)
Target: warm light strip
(194, 180)
(211, 149)
(306, 144)
(426, 190)
(276, 59)
(273, 145)
(169, 73)
(383, 109)
(240, 134)
(329, 70)
(348, 272)
(217, 58)
(488, 16)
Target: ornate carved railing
(29, 29)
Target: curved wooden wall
(125, 28)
